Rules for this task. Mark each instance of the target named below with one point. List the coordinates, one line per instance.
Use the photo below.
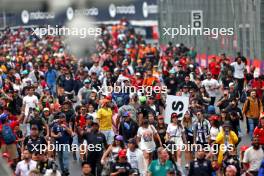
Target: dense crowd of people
(55, 108)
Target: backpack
(243, 97)
(8, 134)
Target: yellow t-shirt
(104, 116)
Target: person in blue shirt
(62, 133)
(51, 78)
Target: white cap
(46, 109)
(231, 84)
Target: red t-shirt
(214, 68)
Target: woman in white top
(175, 134)
(214, 130)
(110, 155)
(112, 150)
(146, 142)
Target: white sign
(197, 19)
(175, 104)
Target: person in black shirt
(128, 127)
(188, 83)
(34, 140)
(35, 119)
(200, 166)
(121, 167)
(171, 83)
(94, 155)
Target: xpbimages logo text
(190, 31)
(66, 31)
(147, 90)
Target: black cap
(132, 141)
(62, 115)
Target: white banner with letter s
(175, 104)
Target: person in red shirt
(259, 130)
(257, 84)
(214, 68)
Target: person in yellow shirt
(104, 117)
(226, 139)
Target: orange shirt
(150, 81)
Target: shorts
(178, 142)
(10, 149)
(109, 135)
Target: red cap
(122, 153)
(160, 117)
(106, 69)
(214, 117)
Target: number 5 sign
(197, 19)
(175, 104)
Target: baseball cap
(89, 117)
(160, 117)
(213, 118)
(62, 115)
(211, 109)
(122, 153)
(46, 109)
(132, 141)
(231, 84)
(142, 99)
(87, 81)
(119, 138)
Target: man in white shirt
(24, 167)
(29, 101)
(211, 86)
(135, 157)
(239, 69)
(253, 156)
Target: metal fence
(246, 17)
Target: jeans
(63, 156)
(52, 88)
(252, 123)
(75, 142)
